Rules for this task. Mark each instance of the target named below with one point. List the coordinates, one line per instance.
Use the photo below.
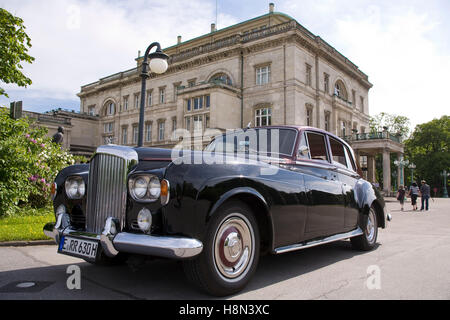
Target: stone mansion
(269, 70)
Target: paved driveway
(412, 261)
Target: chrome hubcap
(370, 228)
(233, 247)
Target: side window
(350, 160)
(338, 152)
(317, 146)
(303, 150)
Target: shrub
(29, 162)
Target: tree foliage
(14, 45)
(395, 123)
(29, 162)
(429, 149)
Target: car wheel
(368, 239)
(230, 253)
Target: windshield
(270, 142)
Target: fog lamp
(144, 220)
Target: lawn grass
(26, 225)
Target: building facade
(269, 70)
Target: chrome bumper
(112, 244)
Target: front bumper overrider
(112, 243)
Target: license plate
(78, 247)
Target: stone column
(386, 171)
(371, 169)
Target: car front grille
(107, 189)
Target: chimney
(178, 39)
(271, 7)
(213, 27)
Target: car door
(325, 210)
(346, 171)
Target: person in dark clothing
(58, 137)
(401, 196)
(425, 194)
(414, 193)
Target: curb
(26, 243)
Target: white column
(386, 171)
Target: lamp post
(444, 174)
(158, 64)
(412, 166)
(401, 164)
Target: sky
(403, 46)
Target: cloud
(400, 45)
(76, 42)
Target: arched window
(221, 78)
(109, 108)
(340, 90)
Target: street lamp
(401, 164)
(158, 64)
(412, 166)
(445, 174)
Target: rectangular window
(317, 146)
(362, 103)
(207, 101)
(207, 121)
(191, 83)
(135, 134)
(125, 103)
(109, 127)
(308, 75)
(198, 123)
(161, 131)
(327, 121)
(338, 153)
(343, 128)
(309, 117)
(91, 110)
(196, 103)
(174, 128)
(149, 98)
(354, 98)
(124, 135)
(162, 93)
(326, 83)
(263, 117)
(262, 75)
(188, 104)
(188, 123)
(136, 101)
(148, 132)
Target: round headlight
(144, 220)
(140, 187)
(75, 187)
(154, 188)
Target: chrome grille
(107, 189)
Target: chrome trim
(107, 236)
(336, 237)
(161, 246)
(107, 186)
(54, 229)
(316, 165)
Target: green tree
(429, 149)
(29, 162)
(396, 124)
(14, 45)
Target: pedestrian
(414, 193)
(425, 195)
(401, 196)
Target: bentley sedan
(265, 190)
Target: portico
(372, 144)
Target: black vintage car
(258, 191)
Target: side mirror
(303, 151)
